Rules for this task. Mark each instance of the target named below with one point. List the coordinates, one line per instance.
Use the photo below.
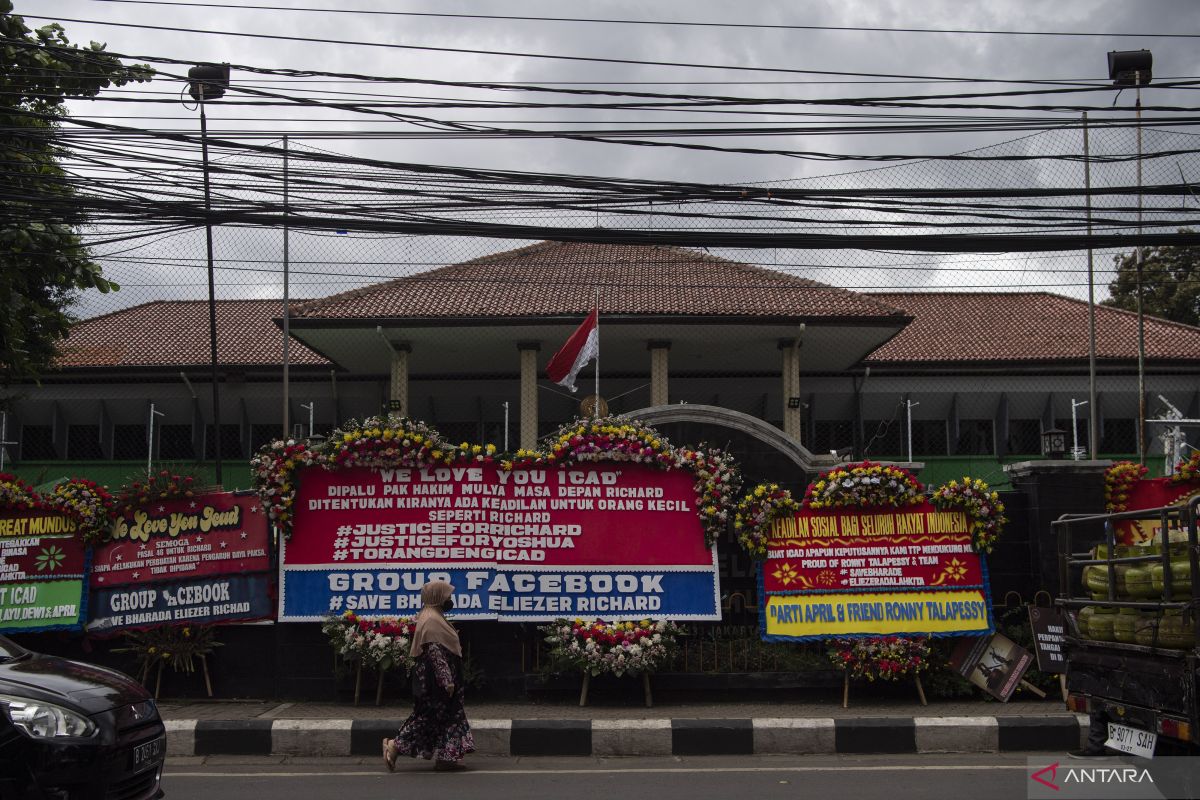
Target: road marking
(597, 771)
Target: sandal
(389, 755)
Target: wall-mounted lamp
(1054, 443)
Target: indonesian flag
(582, 347)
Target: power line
(517, 54)
(671, 23)
(690, 101)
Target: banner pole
(286, 310)
(596, 405)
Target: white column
(398, 387)
(790, 367)
(660, 352)
(529, 396)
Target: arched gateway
(764, 452)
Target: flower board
(610, 518)
(873, 557)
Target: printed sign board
(994, 663)
(197, 601)
(1049, 639)
(596, 540)
(162, 552)
(875, 572)
(42, 567)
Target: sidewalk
(530, 729)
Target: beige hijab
(432, 627)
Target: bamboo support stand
(207, 680)
(379, 690)
(920, 689)
(158, 673)
(1033, 688)
(358, 683)
(647, 695)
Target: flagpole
(596, 405)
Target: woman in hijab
(437, 727)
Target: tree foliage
(1170, 283)
(43, 263)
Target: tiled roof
(979, 327)
(174, 333)
(554, 278)
(1022, 326)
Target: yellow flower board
(803, 616)
(873, 571)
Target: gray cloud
(998, 57)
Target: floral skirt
(437, 728)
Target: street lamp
(209, 82)
(909, 405)
(1077, 452)
(1130, 67)
(150, 439)
(1134, 68)
(310, 407)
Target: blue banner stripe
(197, 601)
(507, 594)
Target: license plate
(1131, 740)
(148, 753)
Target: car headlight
(45, 720)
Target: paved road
(979, 777)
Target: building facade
(781, 369)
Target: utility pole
(286, 311)
(209, 82)
(1093, 418)
(1134, 68)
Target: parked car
(75, 731)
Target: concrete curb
(643, 737)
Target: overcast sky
(958, 55)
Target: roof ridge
(107, 314)
(350, 294)
(677, 254)
(176, 301)
(963, 293)
(120, 339)
(1043, 293)
(1128, 313)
